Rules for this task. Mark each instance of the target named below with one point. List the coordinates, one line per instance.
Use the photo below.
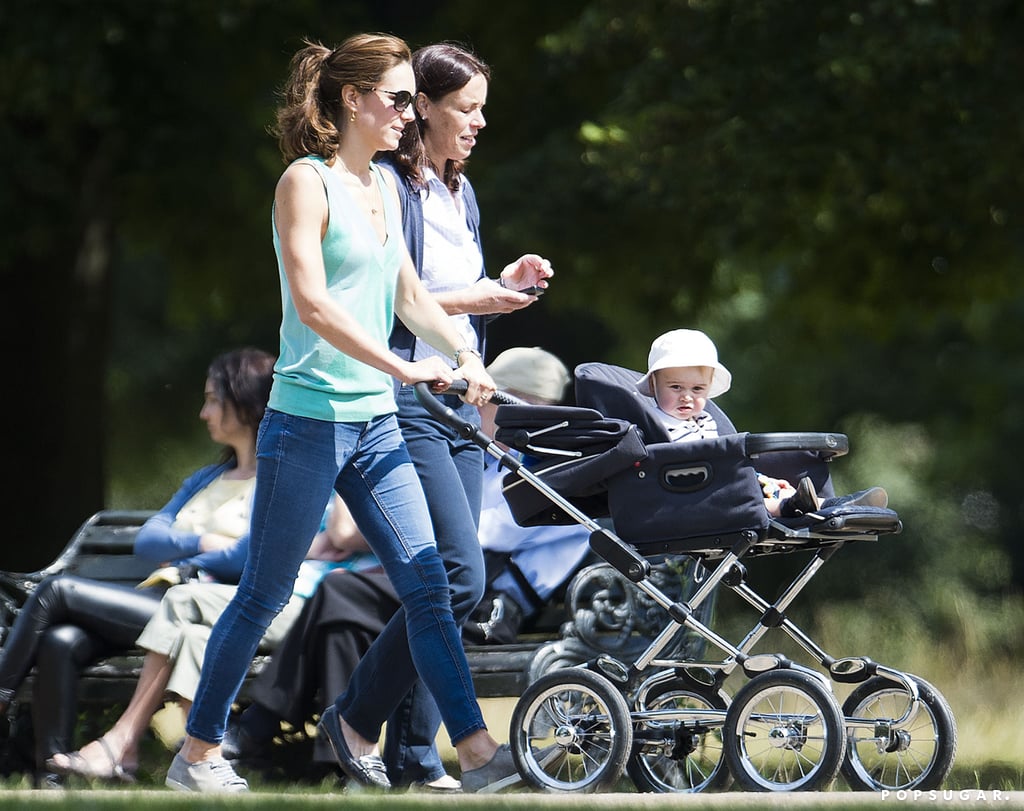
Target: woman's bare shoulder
(299, 176)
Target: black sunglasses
(401, 98)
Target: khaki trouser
(181, 627)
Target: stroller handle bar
(828, 445)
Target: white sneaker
(207, 776)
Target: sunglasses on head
(401, 98)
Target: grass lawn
(982, 691)
(150, 800)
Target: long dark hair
(440, 69)
(242, 377)
(309, 119)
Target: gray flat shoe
(497, 774)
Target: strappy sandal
(79, 765)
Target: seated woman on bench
(175, 642)
(69, 621)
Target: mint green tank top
(312, 378)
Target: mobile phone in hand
(532, 291)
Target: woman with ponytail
(345, 275)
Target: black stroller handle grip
(827, 444)
(438, 410)
(460, 386)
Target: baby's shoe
(805, 501)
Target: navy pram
(664, 718)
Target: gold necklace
(369, 193)
(372, 193)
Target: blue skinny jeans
(442, 460)
(299, 462)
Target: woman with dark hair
(441, 224)
(70, 621)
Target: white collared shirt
(451, 257)
(701, 426)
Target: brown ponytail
(310, 118)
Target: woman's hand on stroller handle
(459, 386)
(443, 413)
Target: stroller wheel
(784, 732)
(917, 755)
(571, 731)
(683, 753)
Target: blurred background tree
(832, 191)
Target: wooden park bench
(601, 613)
(102, 549)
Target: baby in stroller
(683, 373)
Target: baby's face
(682, 391)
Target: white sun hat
(685, 347)
(530, 371)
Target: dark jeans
(443, 461)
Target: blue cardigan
(159, 541)
(402, 341)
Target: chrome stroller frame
(666, 720)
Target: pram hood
(612, 390)
(574, 450)
(557, 430)
(654, 493)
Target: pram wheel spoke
(883, 755)
(571, 732)
(784, 732)
(682, 754)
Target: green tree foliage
(137, 183)
(135, 216)
(832, 190)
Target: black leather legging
(67, 623)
